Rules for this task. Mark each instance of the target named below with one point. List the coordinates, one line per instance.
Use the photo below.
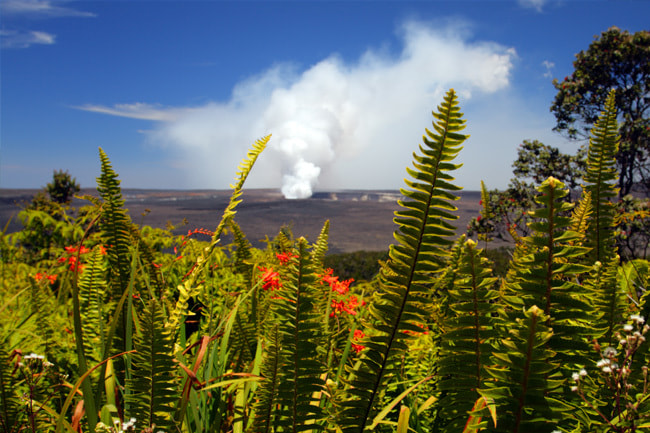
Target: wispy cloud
(538, 5)
(334, 124)
(10, 37)
(40, 8)
(137, 110)
(548, 66)
(16, 39)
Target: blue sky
(176, 91)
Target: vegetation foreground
(106, 326)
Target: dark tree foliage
(615, 60)
(536, 161)
(63, 187)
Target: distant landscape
(359, 220)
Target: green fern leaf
(581, 214)
(10, 401)
(151, 390)
(94, 306)
(301, 330)
(424, 234)
(548, 278)
(468, 337)
(320, 247)
(115, 226)
(266, 400)
(600, 180)
(526, 377)
(190, 288)
(608, 300)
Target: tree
(63, 187)
(615, 60)
(508, 210)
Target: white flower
(628, 328)
(607, 369)
(575, 377)
(603, 362)
(582, 372)
(34, 356)
(609, 352)
(637, 318)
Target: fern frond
(581, 214)
(547, 276)
(151, 390)
(526, 375)
(468, 338)
(423, 236)
(189, 287)
(243, 171)
(94, 301)
(115, 226)
(608, 299)
(600, 180)
(10, 402)
(301, 330)
(486, 212)
(320, 247)
(243, 254)
(266, 400)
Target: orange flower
(358, 335)
(341, 287)
(51, 278)
(284, 257)
(271, 279)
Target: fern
(546, 277)
(189, 288)
(600, 180)
(10, 402)
(300, 329)
(486, 213)
(580, 216)
(468, 336)
(526, 375)
(423, 236)
(151, 390)
(242, 254)
(93, 306)
(115, 226)
(320, 247)
(608, 299)
(264, 407)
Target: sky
(176, 92)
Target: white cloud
(548, 66)
(136, 110)
(16, 39)
(40, 8)
(335, 124)
(11, 38)
(538, 5)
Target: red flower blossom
(478, 218)
(284, 257)
(358, 335)
(347, 305)
(341, 287)
(51, 278)
(271, 279)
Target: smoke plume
(332, 113)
